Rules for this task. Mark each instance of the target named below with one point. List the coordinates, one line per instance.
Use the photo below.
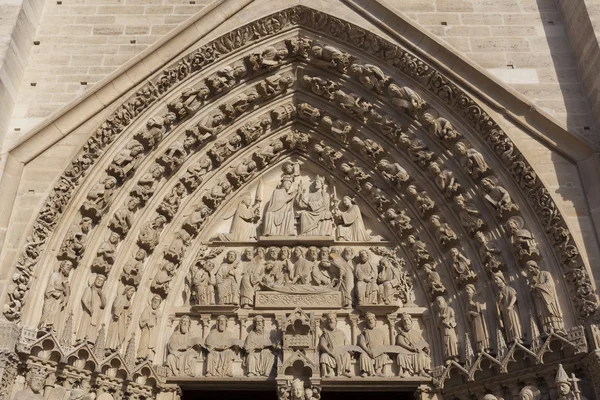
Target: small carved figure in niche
(56, 296)
(132, 271)
(371, 77)
(176, 249)
(147, 184)
(259, 346)
(322, 271)
(419, 152)
(334, 361)
(211, 125)
(270, 153)
(388, 280)
(353, 104)
(122, 219)
(245, 217)
(228, 278)
(506, 305)
(385, 124)
(309, 113)
(406, 99)
(314, 209)
(222, 148)
(434, 281)
(175, 154)
(330, 57)
(252, 277)
(98, 198)
(202, 284)
(34, 390)
(162, 279)
(320, 86)
(220, 353)
(93, 303)
(279, 216)
(341, 129)
(181, 354)
(224, 79)
(423, 203)
(376, 195)
(150, 233)
(490, 253)
(419, 249)
(327, 155)
(393, 172)
(446, 321)
(155, 129)
(302, 267)
(268, 59)
(350, 226)
(441, 128)
(445, 180)
(120, 319)
(444, 234)
(193, 223)
(370, 148)
(355, 175)
(366, 279)
(105, 256)
(73, 245)
(461, 266)
(476, 318)
(545, 299)
(418, 361)
(299, 46)
(567, 388)
(498, 197)
(170, 204)
(239, 105)
(147, 324)
(524, 244)
(195, 173)
(219, 191)
(472, 161)
(371, 338)
(399, 221)
(343, 263)
(126, 161)
(469, 215)
(242, 173)
(274, 85)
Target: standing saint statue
(228, 278)
(314, 209)
(253, 274)
(476, 318)
(369, 340)
(259, 347)
(148, 321)
(446, 321)
(219, 360)
(506, 304)
(181, 354)
(545, 299)
(120, 319)
(417, 361)
(93, 302)
(56, 295)
(279, 217)
(334, 362)
(343, 263)
(350, 226)
(366, 279)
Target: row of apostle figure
(261, 347)
(234, 281)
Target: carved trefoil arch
(300, 201)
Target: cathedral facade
(304, 200)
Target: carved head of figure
(110, 182)
(406, 322)
(184, 324)
(435, 221)
(273, 253)
(489, 396)
(385, 263)
(286, 182)
(313, 253)
(454, 253)
(324, 254)
(461, 148)
(533, 268)
(308, 394)
(429, 118)
(412, 190)
(285, 253)
(562, 382)
(487, 184)
(434, 167)
(499, 280)
(371, 320)
(208, 265)
(297, 391)
(259, 324)
(65, 267)
(470, 291)
(411, 239)
(319, 183)
(331, 321)
(140, 255)
(221, 323)
(481, 238)
(363, 256)
(99, 281)
(348, 254)
(529, 393)
(440, 303)
(79, 394)
(129, 291)
(155, 302)
(231, 257)
(248, 254)
(298, 252)
(35, 381)
(85, 224)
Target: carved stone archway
(292, 171)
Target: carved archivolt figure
(446, 321)
(279, 216)
(147, 324)
(366, 279)
(98, 198)
(105, 256)
(195, 173)
(193, 223)
(132, 271)
(259, 348)
(444, 234)
(171, 202)
(405, 98)
(150, 233)
(181, 354)
(419, 152)
(147, 184)
(353, 104)
(73, 245)
(445, 180)
(320, 86)
(350, 226)
(314, 209)
(472, 161)
(440, 127)
(330, 57)
(120, 319)
(268, 59)
(93, 302)
(176, 250)
(370, 148)
(461, 265)
(341, 129)
(334, 361)
(219, 191)
(434, 281)
(355, 175)
(417, 362)
(545, 299)
(274, 85)
(35, 381)
(220, 353)
(376, 195)
(469, 215)
(371, 338)
(203, 284)
(122, 219)
(476, 318)
(524, 244)
(506, 303)
(371, 77)
(530, 393)
(162, 279)
(327, 155)
(419, 249)
(56, 295)
(228, 279)
(393, 172)
(423, 203)
(399, 221)
(498, 197)
(490, 253)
